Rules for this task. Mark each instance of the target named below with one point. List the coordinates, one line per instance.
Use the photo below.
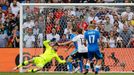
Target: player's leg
(35, 69)
(87, 66)
(69, 64)
(78, 56)
(99, 58)
(85, 56)
(80, 61)
(26, 62)
(92, 65)
(39, 62)
(69, 61)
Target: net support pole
(21, 37)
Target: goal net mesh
(55, 22)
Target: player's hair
(56, 44)
(79, 31)
(91, 26)
(74, 30)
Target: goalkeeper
(47, 56)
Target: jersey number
(82, 41)
(91, 38)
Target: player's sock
(32, 70)
(92, 66)
(97, 68)
(87, 66)
(70, 66)
(23, 64)
(81, 66)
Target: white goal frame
(61, 4)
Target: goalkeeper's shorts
(39, 61)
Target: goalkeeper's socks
(81, 66)
(97, 68)
(32, 70)
(70, 66)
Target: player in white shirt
(82, 51)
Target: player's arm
(69, 42)
(59, 60)
(66, 43)
(70, 45)
(46, 43)
(85, 43)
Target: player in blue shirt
(70, 65)
(92, 36)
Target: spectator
(29, 39)
(131, 42)
(58, 22)
(14, 39)
(119, 42)
(40, 40)
(92, 16)
(109, 1)
(83, 24)
(77, 1)
(15, 7)
(63, 39)
(125, 35)
(3, 36)
(68, 30)
(63, 21)
(2, 17)
(36, 30)
(29, 23)
(112, 40)
(107, 24)
(127, 13)
(53, 35)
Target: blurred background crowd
(9, 23)
(116, 24)
(77, 1)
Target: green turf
(64, 74)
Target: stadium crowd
(77, 1)
(115, 25)
(9, 23)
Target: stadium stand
(9, 23)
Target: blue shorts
(97, 54)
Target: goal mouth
(46, 9)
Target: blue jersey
(75, 43)
(92, 36)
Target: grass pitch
(11, 73)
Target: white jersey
(80, 42)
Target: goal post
(46, 16)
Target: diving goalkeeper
(47, 56)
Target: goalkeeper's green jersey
(49, 54)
